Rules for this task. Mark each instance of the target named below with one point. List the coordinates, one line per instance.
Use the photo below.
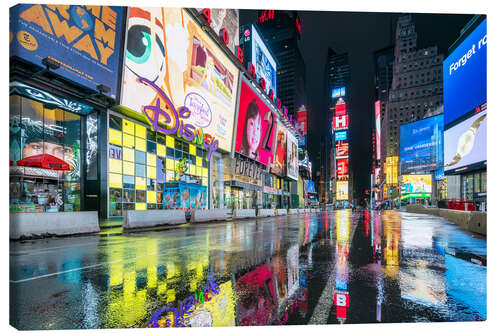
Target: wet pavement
(324, 268)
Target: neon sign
(175, 116)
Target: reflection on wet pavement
(326, 268)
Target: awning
(44, 161)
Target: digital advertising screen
(292, 169)
(421, 145)
(416, 184)
(342, 190)
(338, 92)
(256, 129)
(391, 170)
(342, 167)
(341, 150)
(340, 122)
(302, 120)
(84, 40)
(465, 143)
(280, 157)
(464, 76)
(265, 65)
(340, 135)
(182, 77)
(225, 18)
(377, 128)
(340, 108)
(310, 186)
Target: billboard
(340, 135)
(340, 108)
(342, 167)
(421, 145)
(292, 170)
(416, 184)
(338, 92)
(84, 40)
(340, 122)
(181, 80)
(256, 129)
(342, 190)
(464, 76)
(265, 65)
(341, 150)
(465, 143)
(391, 170)
(278, 168)
(229, 19)
(309, 186)
(302, 120)
(377, 128)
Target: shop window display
(39, 132)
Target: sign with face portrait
(292, 158)
(176, 77)
(281, 150)
(256, 127)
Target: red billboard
(255, 133)
(340, 122)
(340, 108)
(341, 150)
(342, 167)
(302, 121)
(377, 127)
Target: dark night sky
(359, 34)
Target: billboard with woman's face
(256, 127)
(280, 152)
(178, 77)
(293, 164)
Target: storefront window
(483, 182)
(36, 131)
(477, 182)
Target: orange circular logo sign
(27, 40)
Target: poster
(84, 40)
(280, 152)
(255, 133)
(292, 158)
(342, 190)
(178, 77)
(225, 18)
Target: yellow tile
(161, 150)
(128, 141)
(140, 144)
(128, 168)
(192, 149)
(199, 161)
(115, 180)
(140, 206)
(198, 171)
(192, 169)
(128, 154)
(115, 137)
(170, 164)
(140, 131)
(140, 183)
(115, 165)
(152, 160)
(151, 197)
(151, 172)
(170, 142)
(204, 172)
(128, 127)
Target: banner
(178, 77)
(292, 157)
(83, 40)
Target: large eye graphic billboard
(177, 76)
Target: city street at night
(316, 268)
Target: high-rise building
(416, 91)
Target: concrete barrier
(266, 212)
(477, 222)
(300, 210)
(149, 218)
(243, 213)
(281, 212)
(60, 223)
(292, 211)
(205, 215)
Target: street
(324, 268)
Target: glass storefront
(149, 170)
(37, 133)
(240, 190)
(474, 185)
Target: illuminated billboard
(341, 150)
(338, 92)
(340, 108)
(342, 167)
(391, 170)
(256, 128)
(342, 190)
(416, 186)
(278, 168)
(377, 128)
(464, 76)
(292, 170)
(421, 145)
(340, 122)
(302, 120)
(465, 143)
(84, 40)
(340, 135)
(181, 77)
(225, 18)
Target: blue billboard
(265, 65)
(338, 92)
(421, 145)
(83, 40)
(341, 135)
(464, 76)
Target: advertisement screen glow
(416, 184)
(340, 135)
(265, 65)
(292, 169)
